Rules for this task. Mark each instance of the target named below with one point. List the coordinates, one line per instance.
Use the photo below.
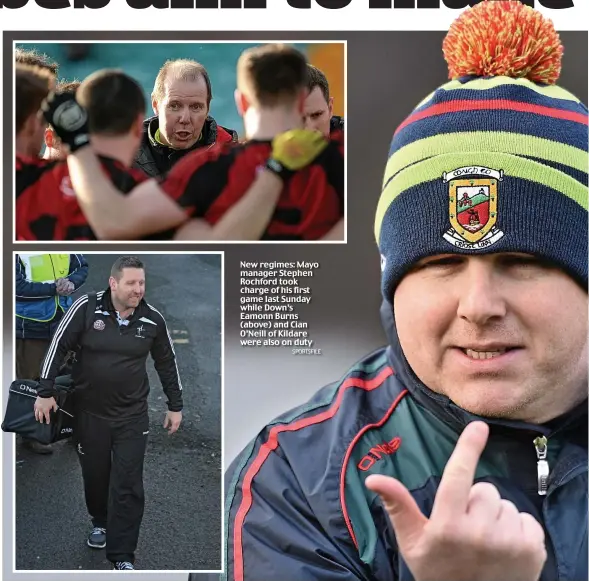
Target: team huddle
(109, 173)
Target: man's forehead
(130, 273)
(175, 88)
(315, 100)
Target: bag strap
(90, 308)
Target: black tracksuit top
(110, 373)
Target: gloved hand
(293, 150)
(68, 119)
(64, 287)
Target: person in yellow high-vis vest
(44, 285)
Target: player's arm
(148, 209)
(113, 215)
(272, 530)
(245, 220)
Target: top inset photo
(185, 141)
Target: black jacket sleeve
(164, 359)
(66, 338)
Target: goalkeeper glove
(68, 119)
(293, 150)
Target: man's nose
(184, 115)
(481, 297)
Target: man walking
(111, 412)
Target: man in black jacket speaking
(181, 100)
(112, 386)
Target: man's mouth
(183, 135)
(483, 354)
(486, 353)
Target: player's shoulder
(36, 165)
(152, 312)
(117, 170)
(205, 158)
(31, 172)
(82, 301)
(335, 411)
(320, 431)
(226, 154)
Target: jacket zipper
(541, 445)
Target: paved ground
(182, 524)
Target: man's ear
(154, 106)
(330, 108)
(241, 102)
(49, 138)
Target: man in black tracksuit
(112, 386)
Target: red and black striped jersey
(207, 183)
(46, 204)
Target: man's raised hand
(472, 534)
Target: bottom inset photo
(116, 411)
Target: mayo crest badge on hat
(473, 193)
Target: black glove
(68, 119)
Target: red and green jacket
(297, 508)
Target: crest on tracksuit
(472, 195)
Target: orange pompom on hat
(494, 160)
(503, 39)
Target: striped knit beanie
(496, 159)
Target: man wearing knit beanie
(459, 452)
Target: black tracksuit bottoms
(111, 453)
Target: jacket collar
(573, 422)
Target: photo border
(176, 242)
(12, 458)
